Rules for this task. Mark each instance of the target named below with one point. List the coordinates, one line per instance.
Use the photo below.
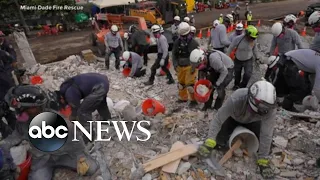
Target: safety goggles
(263, 107)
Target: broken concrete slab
(289, 174)
(298, 161)
(280, 141)
(183, 167)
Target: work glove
(82, 166)
(162, 62)
(206, 148)
(265, 169)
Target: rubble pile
(296, 141)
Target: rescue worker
(245, 47)
(92, 88)
(187, 20)
(253, 108)
(249, 18)
(221, 18)
(180, 58)
(135, 63)
(6, 82)
(237, 32)
(218, 68)
(236, 12)
(162, 56)
(139, 42)
(29, 101)
(289, 21)
(247, 11)
(219, 38)
(192, 21)
(274, 75)
(114, 45)
(285, 39)
(193, 31)
(174, 28)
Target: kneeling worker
(253, 108)
(219, 70)
(135, 62)
(28, 102)
(93, 89)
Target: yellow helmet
(252, 31)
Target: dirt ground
(54, 48)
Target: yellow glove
(265, 170)
(82, 166)
(206, 148)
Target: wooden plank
(173, 166)
(169, 157)
(228, 155)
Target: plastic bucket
(162, 73)
(25, 168)
(36, 80)
(198, 97)
(152, 107)
(249, 139)
(66, 111)
(126, 72)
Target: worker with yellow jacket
(187, 74)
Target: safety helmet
(262, 97)
(177, 18)
(239, 27)
(25, 96)
(197, 56)
(276, 29)
(272, 60)
(132, 28)
(126, 35)
(184, 28)
(252, 31)
(228, 18)
(186, 19)
(216, 23)
(192, 16)
(289, 18)
(126, 55)
(314, 18)
(193, 29)
(114, 28)
(155, 28)
(221, 15)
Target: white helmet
(126, 55)
(177, 18)
(229, 18)
(289, 18)
(232, 11)
(239, 27)
(216, 23)
(186, 19)
(276, 29)
(184, 28)
(314, 18)
(126, 35)
(197, 56)
(192, 16)
(221, 14)
(250, 12)
(272, 60)
(155, 28)
(193, 29)
(114, 28)
(262, 97)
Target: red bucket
(152, 107)
(66, 111)
(198, 97)
(36, 80)
(25, 168)
(162, 73)
(126, 71)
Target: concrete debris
(238, 152)
(289, 174)
(298, 161)
(311, 162)
(202, 90)
(147, 177)
(19, 154)
(280, 142)
(183, 167)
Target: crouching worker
(93, 89)
(28, 102)
(218, 68)
(135, 62)
(253, 108)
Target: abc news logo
(49, 131)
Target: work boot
(170, 81)
(193, 104)
(148, 83)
